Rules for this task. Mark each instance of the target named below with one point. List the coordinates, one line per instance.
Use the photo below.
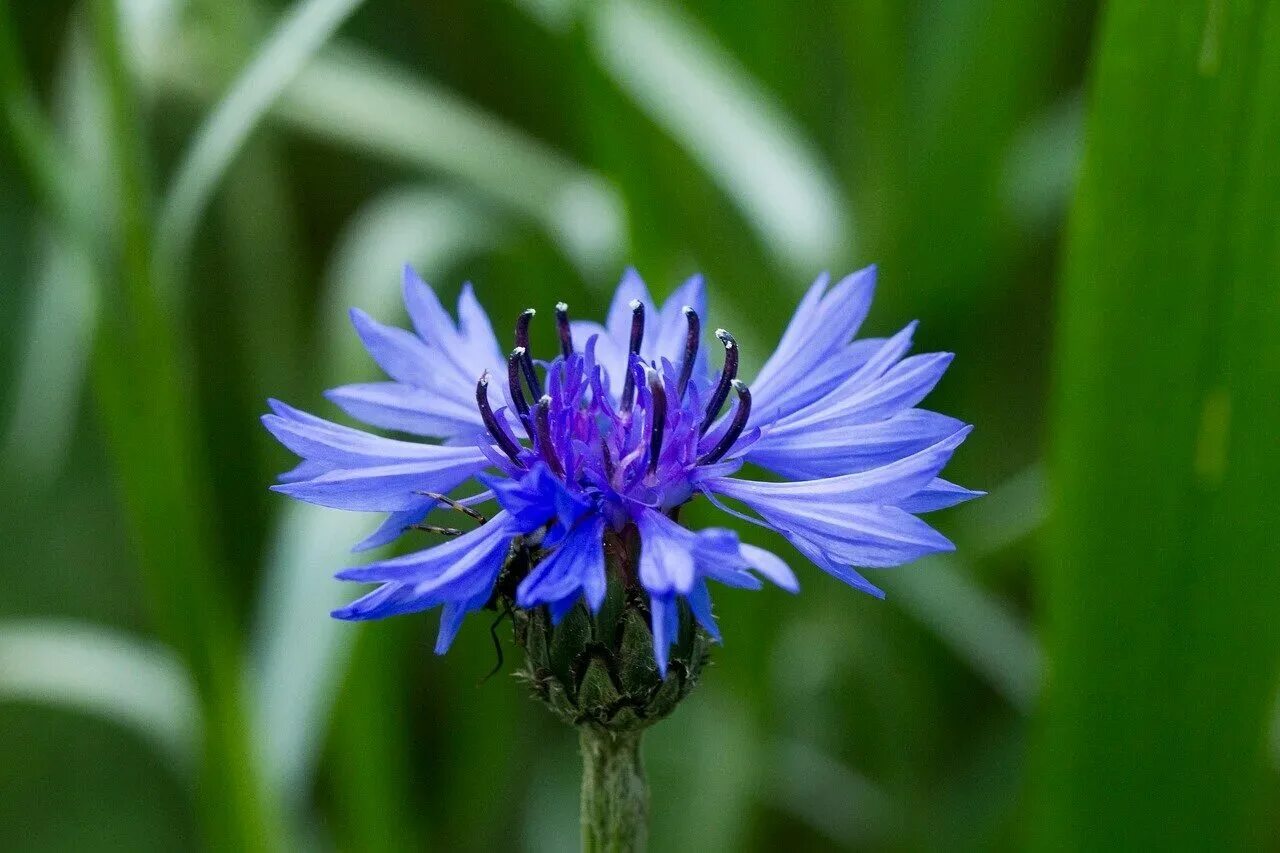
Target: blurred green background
(1081, 200)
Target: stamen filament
(522, 327)
(542, 423)
(497, 430)
(690, 350)
(517, 392)
(526, 360)
(739, 423)
(637, 338)
(657, 417)
(562, 327)
(727, 375)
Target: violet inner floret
(614, 436)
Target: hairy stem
(615, 795)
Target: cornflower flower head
(591, 454)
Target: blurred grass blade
(138, 684)
(1161, 583)
(742, 138)
(304, 29)
(59, 331)
(54, 356)
(152, 432)
(1041, 165)
(835, 800)
(387, 111)
(978, 627)
(358, 99)
(300, 654)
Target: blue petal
(477, 334)
(631, 287)
(939, 494)
(401, 354)
(394, 525)
(700, 603)
(459, 574)
(536, 497)
(389, 488)
(813, 452)
(432, 323)
(901, 387)
(393, 405)
(576, 565)
(666, 554)
(451, 617)
(822, 326)
(771, 566)
(881, 485)
(665, 616)
(336, 446)
(836, 570)
(665, 334)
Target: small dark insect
(497, 642)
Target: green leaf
(1161, 583)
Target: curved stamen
(739, 423)
(657, 417)
(497, 430)
(517, 392)
(542, 423)
(637, 338)
(690, 349)
(562, 327)
(522, 343)
(727, 375)
(522, 327)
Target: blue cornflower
(590, 455)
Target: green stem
(615, 795)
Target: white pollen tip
(562, 307)
(519, 351)
(484, 378)
(635, 304)
(531, 311)
(688, 309)
(738, 384)
(544, 400)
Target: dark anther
(739, 423)
(522, 327)
(658, 416)
(513, 382)
(526, 359)
(497, 430)
(727, 375)
(637, 338)
(454, 505)
(690, 349)
(562, 328)
(542, 423)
